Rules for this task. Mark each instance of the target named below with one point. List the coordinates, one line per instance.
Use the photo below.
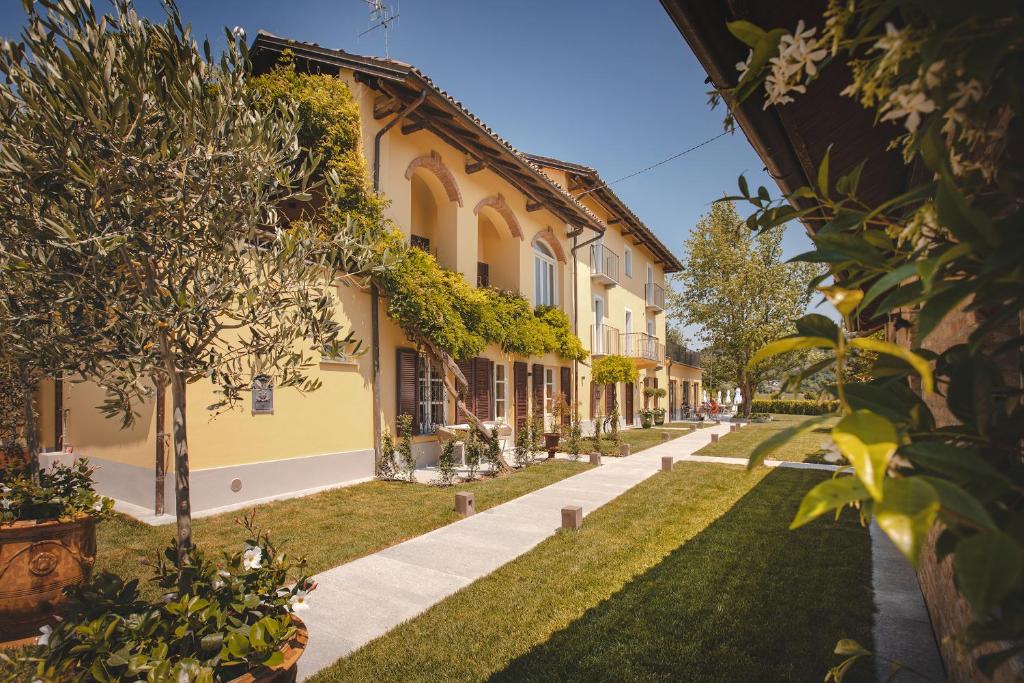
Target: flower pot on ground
(659, 416)
(647, 419)
(47, 543)
(228, 621)
(551, 441)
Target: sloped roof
(442, 114)
(592, 183)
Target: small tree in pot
(612, 370)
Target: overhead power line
(653, 166)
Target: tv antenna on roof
(381, 16)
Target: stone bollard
(595, 458)
(666, 463)
(714, 438)
(465, 503)
(665, 436)
(572, 517)
(733, 428)
(624, 449)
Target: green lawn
(637, 438)
(691, 575)
(803, 448)
(329, 528)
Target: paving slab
(363, 599)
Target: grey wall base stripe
(211, 488)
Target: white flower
(797, 61)
(252, 557)
(4, 488)
(6, 503)
(933, 76)
(98, 505)
(170, 597)
(238, 31)
(742, 67)
(891, 41)
(298, 602)
(217, 584)
(909, 102)
(223, 573)
(968, 92)
(44, 637)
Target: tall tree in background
(734, 287)
(148, 181)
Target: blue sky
(609, 84)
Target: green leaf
(781, 438)
(923, 368)
(906, 513)
(747, 33)
(868, 441)
(962, 464)
(823, 173)
(938, 305)
(888, 281)
(788, 344)
(988, 566)
(829, 495)
(849, 647)
(961, 503)
(275, 659)
(817, 325)
(845, 300)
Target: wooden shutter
(565, 384)
(609, 397)
(657, 400)
(538, 390)
(522, 401)
(628, 400)
(408, 379)
(595, 399)
(467, 367)
(483, 373)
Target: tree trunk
(183, 506)
(31, 435)
(160, 469)
(748, 396)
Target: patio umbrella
(719, 399)
(704, 396)
(739, 396)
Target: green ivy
(614, 369)
(461, 320)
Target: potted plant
(659, 416)
(233, 621)
(646, 418)
(47, 542)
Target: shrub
(474, 451)
(406, 458)
(794, 407)
(598, 423)
(232, 618)
(613, 369)
(62, 492)
(446, 464)
(387, 468)
(492, 452)
(522, 452)
(574, 442)
(613, 427)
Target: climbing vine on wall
(614, 369)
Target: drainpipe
(576, 306)
(374, 292)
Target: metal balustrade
(642, 345)
(604, 265)
(604, 340)
(655, 297)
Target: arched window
(545, 282)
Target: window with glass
(500, 392)
(549, 398)
(544, 281)
(627, 261)
(432, 398)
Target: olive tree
(163, 197)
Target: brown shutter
(629, 403)
(657, 400)
(521, 398)
(595, 399)
(609, 397)
(408, 379)
(565, 384)
(468, 397)
(482, 383)
(538, 390)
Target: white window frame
(431, 397)
(549, 398)
(627, 261)
(545, 276)
(652, 329)
(501, 404)
(650, 274)
(600, 314)
(628, 321)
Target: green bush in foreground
(794, 407)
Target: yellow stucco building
(546, 228)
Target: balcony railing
(642, 345)
(604, 265)
(655, 297)
(682, 355)
(604, 340)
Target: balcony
(682, 355)
(604, 340)
(642, 347)
(604, 265)
(655, 297)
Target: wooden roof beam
(410, 127)
(384, 105)
(533, 205)
(475, 166)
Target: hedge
(797, 407)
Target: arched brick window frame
(498, 203)
(548, 238)
(432, 162)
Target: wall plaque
(262, 395)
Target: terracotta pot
(551, 440)
(38, 560)
(286, 671)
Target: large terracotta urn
(38, 560)
(286, 671)
(551, 441)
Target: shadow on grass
(744, 600)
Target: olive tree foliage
(947, 249)
(148, 180)
(740, 295)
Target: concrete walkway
(364, 599)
